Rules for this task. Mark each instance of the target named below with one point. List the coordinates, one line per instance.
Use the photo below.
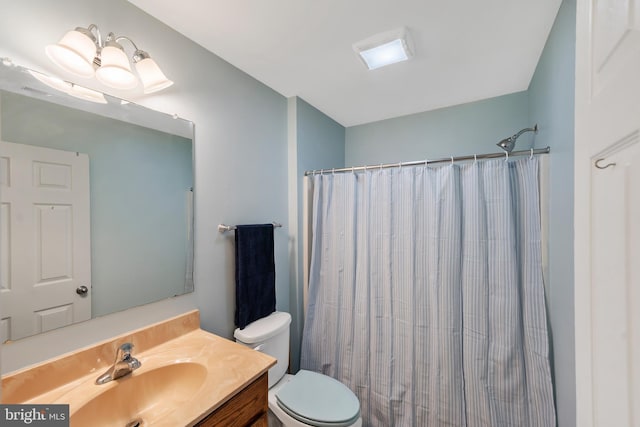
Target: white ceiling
(465, 50)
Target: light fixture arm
(97, 37)
(118, 38)
(138, 55)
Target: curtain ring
(400, 165)
(506, 156)
(353, 169)
(531, 156)
(333, 171)
(475, 159)
(451, 160)
(380, 166)
(603, 167)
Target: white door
(44, 239)
(607, 213)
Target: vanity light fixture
(385, 48)
(83, 52)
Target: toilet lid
(319, 400)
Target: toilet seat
(318, 400)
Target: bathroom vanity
(247, 408)
(187, 377)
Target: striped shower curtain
(426, 295)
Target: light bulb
(74, 52)
(115, 70)
(152, 78)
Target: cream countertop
(70, 379)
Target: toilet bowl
(306, 399)
(348, 414)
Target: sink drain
(135, 423)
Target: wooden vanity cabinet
(248, 408)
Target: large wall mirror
(97, 204)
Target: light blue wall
(551, 105)
(240, 158)
(321, 140)
(319, 144)
(138, 183)
(460, 130)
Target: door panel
(615, 343)
(607, 282)
(54, 242)
(52, 318)
(45, 212)
(615, 39)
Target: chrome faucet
(123, 365)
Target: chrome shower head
(507, 144)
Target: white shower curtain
(426, 295)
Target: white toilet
(306, 398)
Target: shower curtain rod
(452, 159)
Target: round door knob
(82, 290)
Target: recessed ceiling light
(385, 48)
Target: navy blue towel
(255, 273)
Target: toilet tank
(269, 335)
